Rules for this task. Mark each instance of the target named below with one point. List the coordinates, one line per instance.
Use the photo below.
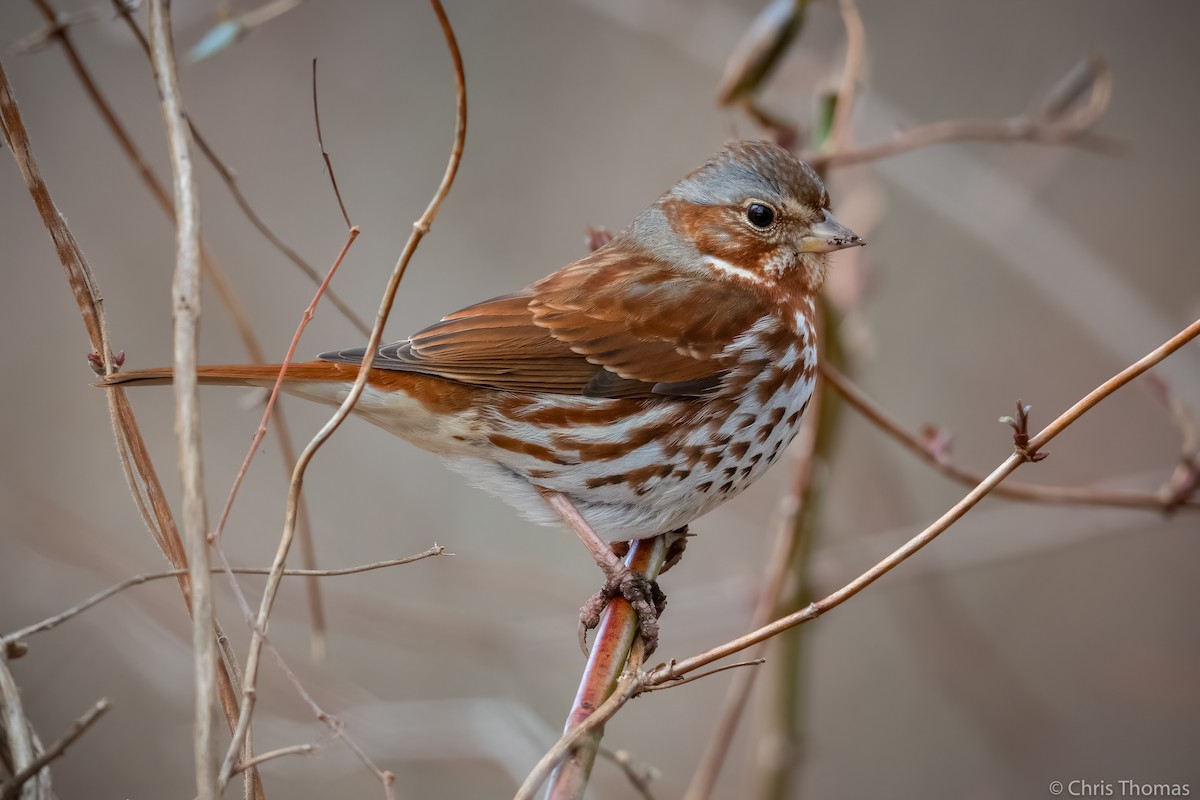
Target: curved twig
(420, 228)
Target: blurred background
(1029, 644)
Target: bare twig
(1060, 129)
(9, 789)
(139, 470)
(324, 154)
(296, 749)
(147, 577)
(754, 662)
(1062, 495)
(640, 775)
(16, 729)
(856, 40)
(186, 294)
(420, 228)
(305, 318)
(229, 178)
(220, 282)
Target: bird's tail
(235, 374)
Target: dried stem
(9, 790)
(305, 318)
(229, 178)
(15, 727)
(135, 459)
(420, 228)
(294, 750)
(138, 580)
(1070, 129)
(856, 42)
(1062, 495)
(186, 294)
(211, 268)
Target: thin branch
(856, 41)
(639, 775)
(136, 464)
(420, 228)
(229, 178)
(229, 298)
(16, 728)
(1057, 130)
(321, 142)
(147, 577)
(754, 662)
(186, 293)
(305, 318)
(1062, 495)
(9, 789)
(296, 749)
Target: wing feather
(605, 326)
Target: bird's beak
(829, 235)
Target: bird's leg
(643, 594)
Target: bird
(629, 392)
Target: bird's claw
(643, 594)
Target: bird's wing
(606, 326)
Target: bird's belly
(634, 468)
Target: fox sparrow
(629, 392)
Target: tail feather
(229, 375)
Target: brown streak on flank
(681, 474)
(739, 449)
(746, 421)
(526, 448)
(704, 487)
(711, 458)
(603, 413)
(746, 471)
(725, 487)
(754, 459)
(607, 451)
(730, 472)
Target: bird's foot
(643, 594)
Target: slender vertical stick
(614, 639)
(186, 296)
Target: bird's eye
(759, 215)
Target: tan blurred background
(1029, 644)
